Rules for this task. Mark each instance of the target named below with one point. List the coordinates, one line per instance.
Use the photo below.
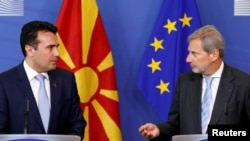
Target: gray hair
(211, 39)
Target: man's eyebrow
(55, 45)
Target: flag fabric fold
(84, 49)
(165, 55)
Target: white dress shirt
(34, 83)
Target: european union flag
(165, 56)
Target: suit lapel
(195, 99)
(54, 93)
(25, 88)
(223, 95)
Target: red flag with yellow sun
(84, 49)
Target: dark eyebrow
(53, 45)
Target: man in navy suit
(230, 96)
(19, 112)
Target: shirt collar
(31, 73)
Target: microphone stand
(27, 109)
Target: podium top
(190, 137)
(38, 137)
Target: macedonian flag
(84, 49)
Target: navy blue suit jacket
(15, 91)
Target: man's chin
(52, 67)
(195, 70)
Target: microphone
(26, 113)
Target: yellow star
(185, 20)
(154, 65)
(163, 87)
(157, 44)
(170, 26)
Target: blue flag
(165, 56)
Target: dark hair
(30, 31)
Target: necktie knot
(209, 81)
(40, 78)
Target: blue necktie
(205, 105)
(43, 102)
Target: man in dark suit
(19, 110)
(230, 96)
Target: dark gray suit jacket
(231, 107)
(15, 90)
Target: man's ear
(29, 50)
(215, 54)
